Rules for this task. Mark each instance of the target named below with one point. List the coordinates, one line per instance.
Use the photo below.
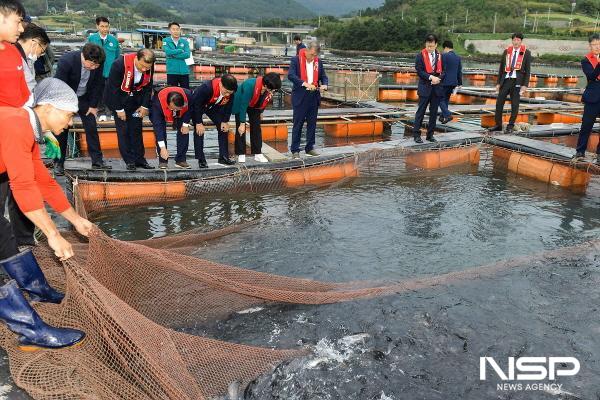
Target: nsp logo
(530, 368)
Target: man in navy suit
(298, 43)
(451, 79)
(513, 80)
(591, 97)
(429, 66)
(82, 71)
(215, 99)
(308, 78)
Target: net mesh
(138, 301)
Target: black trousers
(91, 134)
(255, 133)
(178, 80)
(509, 87)
(101, 106)
(217, 119)
(590, 112)
(433, 101)
(8, 242)
(129, 135)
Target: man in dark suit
(308, 78)
(452, 78)
(127, 93)
(513, 80)
(591, 97)
(429, 66)
(215, 99)
(82, 71)
(298, 43)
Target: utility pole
(495, 17)
(446, 17)
(596, 23)
(403, 14)
(525, 19)
(548, 13)
(467, 17)
(573, 3)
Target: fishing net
(135, 300)
(139, 302)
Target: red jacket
(29, 180)
(13, 91)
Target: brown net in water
(130, 299)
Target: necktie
(514, 61)
(102, 41)
(434, 65)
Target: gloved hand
(52, 147)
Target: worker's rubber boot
(34, 334)
(26, 271)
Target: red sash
(592, 59)
(257, 93)
(520, 56)
(303, 73)
(164, 105)
(216, 87)
(128, 78)
(427, 61)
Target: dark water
(392, 225)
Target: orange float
(274, 133)
(411, 95)
(277, 70)
(571, 79)
(493, 101)
(548, 171)
(551, 79)
(130, 193)
(533, 78)
(487, 120)
(392, 95)
(319, 174)
(571, 98)
(110, 141)
(478, 77)
(204, 69)
(354, 128)
(551, 118)
(436, 159)
(460, 98)
(239, 70)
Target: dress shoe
(163, 164)
(225, 161)
(431, 139)
(131, 167)
(418, 139)
(313, 153)
(144, 165)
(183, 165)
(101, 166)
(59, 169)
(295, 156)
(202, 164)
(509, 129)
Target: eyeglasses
(42, 47)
